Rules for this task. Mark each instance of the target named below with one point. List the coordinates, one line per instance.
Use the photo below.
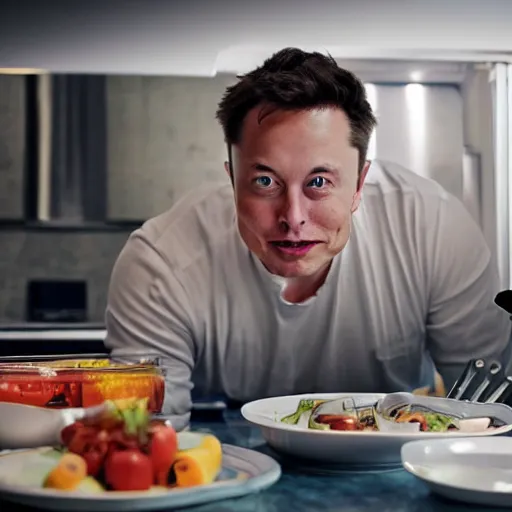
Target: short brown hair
(292, 79)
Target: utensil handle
(490, 376)
(462, 383)
(502, 393)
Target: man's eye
(317, 182)
(263, 181)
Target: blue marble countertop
(389, 491)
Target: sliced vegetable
(338, 421)
(414, 417)
(304, 406)
(439, 422)
(199, 465)
(429, 421)
(90, 485)
(68, 473)
(313, 424)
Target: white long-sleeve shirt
(412, 291)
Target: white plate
(354, 449)
(243, 472)
(473, 470)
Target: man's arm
(147, 311)
(463, 321)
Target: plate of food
(120, 459)
(368, 430)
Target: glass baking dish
(81, 380)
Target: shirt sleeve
(463, 322)
(147, 311)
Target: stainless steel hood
(202, 38)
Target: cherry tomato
(129, 470)
(69, 432)
(94, 460)
(83, 438)
(163, 446)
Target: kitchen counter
(391, 491)
(52, 331)
(30, 338)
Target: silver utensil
(502, 393)
(493, 369)
(473, 368)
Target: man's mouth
(297, 248)
(290, 243)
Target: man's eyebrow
(262, 167)
(326, 168)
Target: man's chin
(290, 270)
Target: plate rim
(267, 423)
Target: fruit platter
(121, 458)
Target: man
(285, 280)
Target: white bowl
(349, 448)
(475, 470)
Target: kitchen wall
(163, 140)
(52, 255)
(12, 126)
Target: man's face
(296, 186)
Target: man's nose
(293, 213)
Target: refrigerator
(451, 122)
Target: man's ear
(356, 200)
(229, 170)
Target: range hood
(66, 169)
(202, 38)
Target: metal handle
(472, 184)
(461, 385)
(494, 369)
(502, 392)
(500, 96)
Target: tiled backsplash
(53, 255)
(163, 140)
